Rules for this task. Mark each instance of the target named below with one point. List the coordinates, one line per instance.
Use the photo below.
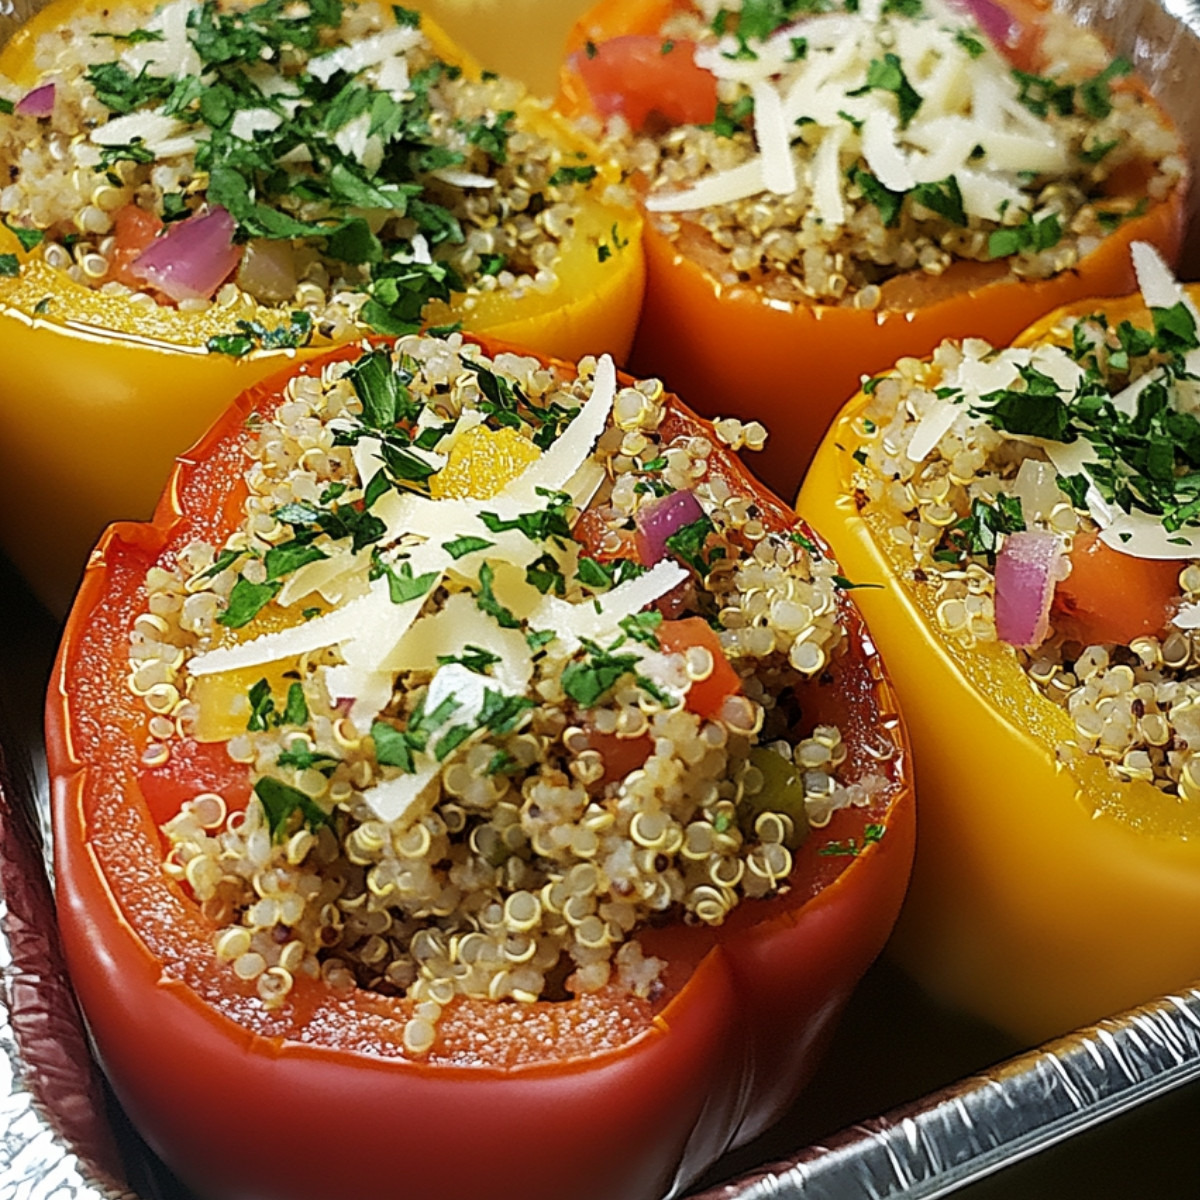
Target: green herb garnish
(279, 801)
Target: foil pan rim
(933, 1146)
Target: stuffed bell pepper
(195, 193)
(1031, 515)
(831, 186)
(469, 749)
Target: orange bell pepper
(597, 1097)
(1045, 896)
(736, 355)
(108, 392)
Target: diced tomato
(193, 767)
(706, 697)
(651, 82)
(592, 531)
(677, 601)
(621, 755)
(1113, 597)
(1023, 46)
(134, 229)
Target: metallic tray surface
(55, 1143)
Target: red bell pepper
(597, 1097)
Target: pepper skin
(598, 1097)
(1043, 897)
(793, 370)
(108, 393)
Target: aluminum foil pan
(57, 1139)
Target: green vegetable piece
(782, 792)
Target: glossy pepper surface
(1044, 897)
(734, 353)
(597, 1097)
(108, 393)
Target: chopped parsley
(887, 75)
(403, 586)
(133, 38)
(546, 575)
(600, 575)
(290, 556)
(604, 252)
(1031, 236)
(377, 383)
(1036, 411)
(298, 755)
(540, 526)
(474, 658)
(588, 680)
(565, 175)
(253, 335)
(396, 747)
(971, 44)
(981, 531)
(280, 800)
(732, 118)
(133, 152)
(851, 847)
(246, 601)
(492, 137)
(263, 713)
(1147, 460)
(486, 600)
(536, 639)
(502, 714)
(302, 165)
(641, 627)
(943, 198)
(888, 203)
(9, 265)
(1095, 95)
(338, 521)
(1097, 151)
(688, 543)
(462, 546)
(1042, 95)
(29, 238)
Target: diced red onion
(998, 25)
(38, 103)
(1027, 569)
(659, 519)
(192, 258)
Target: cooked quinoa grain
(341, 174)
(1095, 433)
(481, 757)
(864, 148)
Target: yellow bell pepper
(1044, 896)
(521, 38)
(98, 395)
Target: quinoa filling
(319, 157)
(511, 675)
(858, 147)
(989, 476)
